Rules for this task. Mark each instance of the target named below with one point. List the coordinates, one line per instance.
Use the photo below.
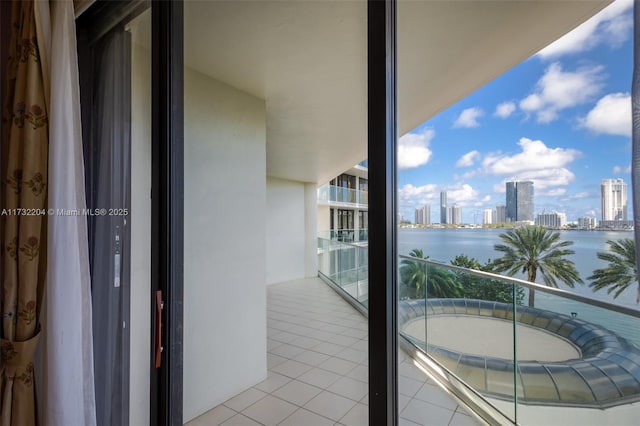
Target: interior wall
(140, 222)
(285, 230)
(224, 240)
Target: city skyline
(613, 195)
(561, 119)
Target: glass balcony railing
(347, 266)
(336, 194)
(346, 235)
(567, 359)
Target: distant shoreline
(504, 226)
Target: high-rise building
(456, 214)
(511, 211)
(525, 200)
(418, 216)
(501, 216)
(552, 220)
(519, 199)
(614, 199)
(422, 215)
(443, 207)
(587, 223)
(487, 217)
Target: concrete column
(356, 225)
(310, 230)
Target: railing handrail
(344, 189)
(538, 287)
(355, 244)
(345, 229)
(328, 185)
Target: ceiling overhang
(308, 61)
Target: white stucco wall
(285, 230)
(311, 230)
(140, 222)
(224, 246)
(324, 219)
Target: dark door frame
(167, 205)
(383, 257)
(165, 391)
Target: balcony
(568, 359)
(317, 361)
(335, 195)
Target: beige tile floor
(317, 361)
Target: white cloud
(466, 175)
(535, 155)
(611, 115)
(500, 187)
(410, 196)
(579, 196)
(555, 192)
(413, 149)
(462, 194)
(619, 169)
(557, 90)
(469, 175)
(505, 109)
(546, 167)
(468, 159)
(469, 118)
(612, 26)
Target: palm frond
(621, 270)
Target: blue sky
(562, 119)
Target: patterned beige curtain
(24, 173)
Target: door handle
(159, 308)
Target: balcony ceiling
(307, 60)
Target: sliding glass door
(115, 73)
(271, 91)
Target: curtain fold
(69, 396)
(43, 169)
(24, 186)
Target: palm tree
(440, 282)
(621, 271)
(413, 276)
(533, 249)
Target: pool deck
(492, 337)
